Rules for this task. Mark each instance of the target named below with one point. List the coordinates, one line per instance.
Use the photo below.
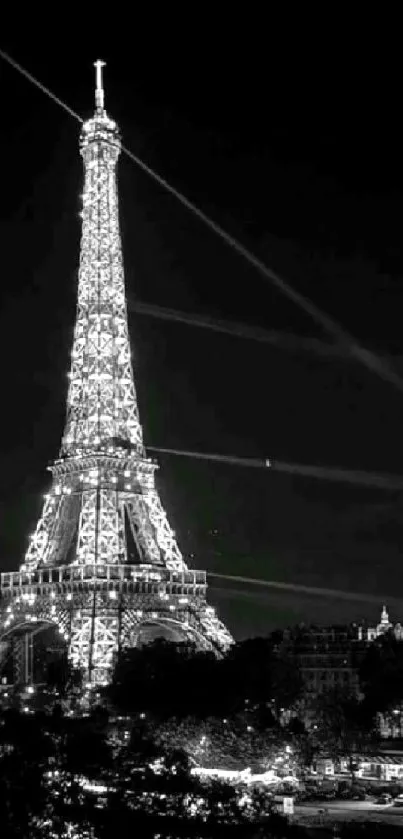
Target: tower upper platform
(99, 128)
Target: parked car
(385, 798)
(358, 795)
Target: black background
(301, 160)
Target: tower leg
(18, 660)
(29, 658)
(23, 655)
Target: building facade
(329, 657)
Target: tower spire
(99, 89)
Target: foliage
(256, 671)
(164, 679)
(377, 830)
(42, 759)
(146, 788)
(231, 744)
(185, 708)
(24, 752)
(305, 743)
(345, 725)
(62, 677)
(171, 680)
(156, 793)
(381, 673)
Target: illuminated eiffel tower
(103, 564)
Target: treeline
(176, 680)
(251, 704)
(65, 776)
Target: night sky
(306, 170)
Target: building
(371, 633)
(329, 657)
(326, 656)
(103, 564)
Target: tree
(231, 744)
(62, 676)
(43, 760)
(155, 793)
(169, 680)
(261, 675)
(305, 746)
(164, 679)
(381, 674)
(140, 787)
(345, 726)
(24, 753)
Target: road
(340, 811)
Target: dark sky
(305, 168)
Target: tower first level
(99, 610)
(104, 568)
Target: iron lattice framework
(103, 563)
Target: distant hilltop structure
(371, 633)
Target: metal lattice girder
(103, 512)
(101, 402)
(90, 500)
(99, 612)
(155, 535)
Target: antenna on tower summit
(99, 90)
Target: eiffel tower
(103, 564)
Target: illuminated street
(344, 811)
